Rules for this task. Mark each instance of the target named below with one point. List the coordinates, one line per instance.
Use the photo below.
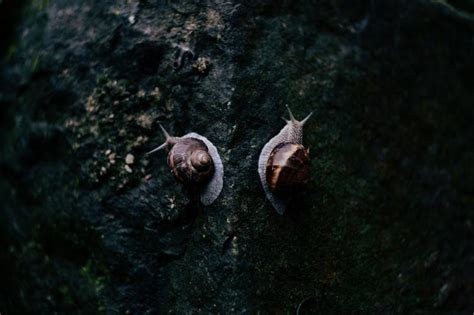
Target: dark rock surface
(386, 225)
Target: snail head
(169, 141)
(293, 121)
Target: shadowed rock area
(385, 226)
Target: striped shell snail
(195, 163)
(283, 164)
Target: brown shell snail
(195, 163)
(283, 164)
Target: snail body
(195, 163)
(283, 165)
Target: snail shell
(190, 162)
(195, 162)
(287, 168)
(283, 165)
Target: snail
(195, 163)
(283, 165)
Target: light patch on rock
(129, 159)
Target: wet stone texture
(90, 224)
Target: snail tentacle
(169, 140)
